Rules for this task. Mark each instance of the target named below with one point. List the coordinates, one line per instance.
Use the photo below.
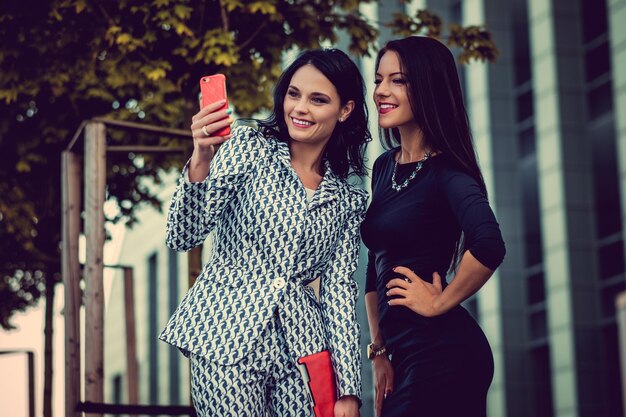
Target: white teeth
(301, 122)
(388, 106)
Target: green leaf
(22, 166)
(183, 12)
(183, 29)
(123, 39)
(264, 7)
(156, 74)
(80, 6)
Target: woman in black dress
(429, 218)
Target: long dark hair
(346, 148)
(436, 100)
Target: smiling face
(391, 94)
(312, 106)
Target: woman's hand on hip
(347, 406)
(414, 293)
(383, 381)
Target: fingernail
(229, 111)
(222, 101)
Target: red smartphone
(213, 89)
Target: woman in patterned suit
(429, 217)
(282, 215)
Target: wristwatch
(374, 351)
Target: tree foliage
(65, 61)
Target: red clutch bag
(319, 376)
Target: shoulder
(452, 178)
(245, 144)
(384, 159)
(247, 137)
(238, 154)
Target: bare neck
(413, 146)
(306, 160)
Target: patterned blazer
(268, 243)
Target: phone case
(212, 89)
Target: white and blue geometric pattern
(268, 244)
(267, 384)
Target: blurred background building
(549, 121)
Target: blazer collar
(329, 189)
(331, 185)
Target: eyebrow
(315, 93)
(393, 73)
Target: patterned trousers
(267, 383)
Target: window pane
(520, 42)
(532, 220)
(605, 179)
(117, 391)
(594, 19)
(600, 100)
(536, 289)
(597, 62)
(613, 379)
(609, 293)
(153, 330)
(525, 106)
(541, 386)
(471, 305)
(611, 260)
(526, 140)
(538, 325)
(173, 354)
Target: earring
(341, 119)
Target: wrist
(349, 397)
(198, 168)
(350, 400)
(439, 306)
(201, 159)
(374, 350)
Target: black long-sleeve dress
(443, 365)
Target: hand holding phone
(212, 90)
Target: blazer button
(279, 283)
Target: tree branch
(224, 17)
(106, 14)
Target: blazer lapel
(282, 152)
(328, 190)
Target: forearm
(371, 306)
(470, 277)
(187, 229)
(198, 168)
(342, 331)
